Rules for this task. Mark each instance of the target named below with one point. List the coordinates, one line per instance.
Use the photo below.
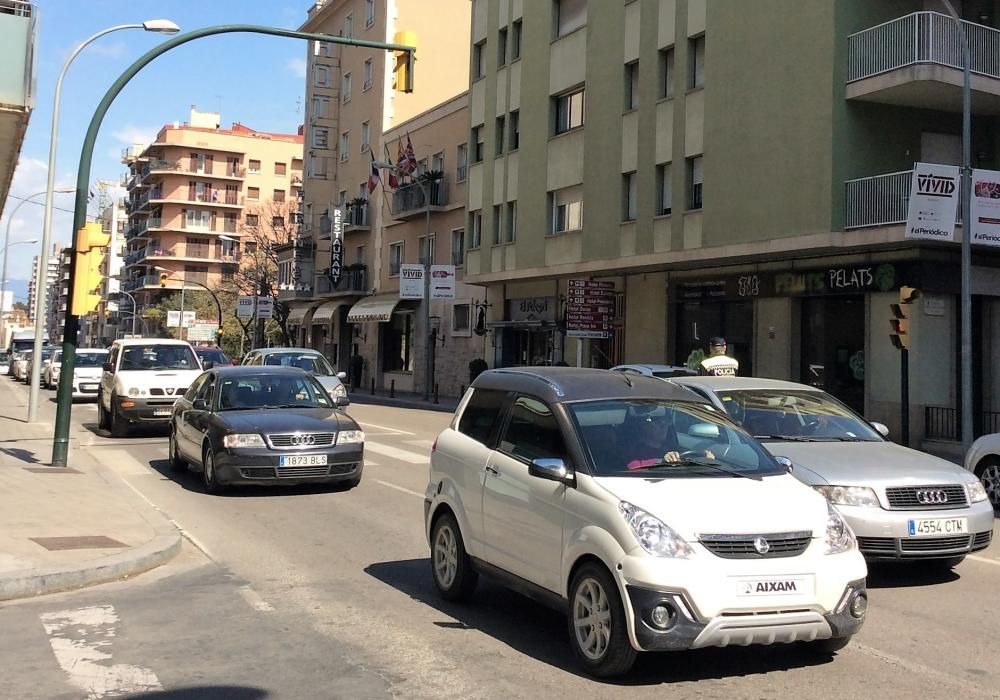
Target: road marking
(399, 488)
(426, 444)
(984, 560)
(395, 431)
(81, 640)
(396, 453)
(254, 600)
(918, 668)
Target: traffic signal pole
(64, 400)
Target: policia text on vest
(718, 364)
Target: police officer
(718, 364)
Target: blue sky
(254, 79)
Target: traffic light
(901, 318)
(402, 72)
(163, 279)
(89, 249)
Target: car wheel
(597, 626)
(102, 415)
(119, 426)
(208, 473)
(177, 463)
(451, 566)
(830, 646)
(988, 472)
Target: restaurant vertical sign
(590, 308)
(336, 247)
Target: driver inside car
(655, 441)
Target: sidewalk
(403, 399)
(72, 527)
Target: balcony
(916, 61)
(880, 200)
(223, 171)
(17, 83)
(353, 281)
(408, 201)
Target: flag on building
(393, 180)
(373, 176)
(411, 159)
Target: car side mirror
(108, 367)
(882, 429)
(705, 431)
(199, 405)
(207, 365)
(342, 376)
(552, 470)
(341, 401)
(785, 462)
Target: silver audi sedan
(902, 504)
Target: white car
(4, 362)
(983, 460)
(901, 504)
(312, 361)
(640, 511)
(141, 381)
(87, 370)
(22, 365)
(50, 372)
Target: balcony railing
(186, 167)
(945, 423)
(409, 199)
(921, 37)
(880, 200)
(353, 281)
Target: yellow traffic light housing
(89, 248)
(900, 322)
(402, 72)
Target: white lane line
(81, 640)
(395, 431)
(984, 560)
(396, 453)
(184, 533)
(399, 488)
(254, 600)
(425, 444)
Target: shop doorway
(833, 347)
(523, 347)
(699, 321)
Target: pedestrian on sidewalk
(718, 364)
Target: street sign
(188, 318)
(411, 281)
(589, 308)
(265, 307)
(173, 319)
(244, 307)
(202, 331)
(442, 281)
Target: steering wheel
(811, 426)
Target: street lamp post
(135, 309)
(7, 244)
(160, 26)
(3, 285)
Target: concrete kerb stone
(446, 405)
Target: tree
(19, 306)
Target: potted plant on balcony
(434, 180)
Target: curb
(376, 400)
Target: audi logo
(761, 545)
(932, 497)
(303, 440)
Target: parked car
(47, 352)
(304, 358)
(901, 503)
(983, 460)
(141, 380)
(215, 356)
(642, 511)
(22, 365)
(4, 362)
(50, 372)
(87, 370)
(658, 371)
(227, 426)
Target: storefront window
(701, 320)
(833, 347)
(398, 355)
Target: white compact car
(141, 381)
(640, 511)
(87, 370)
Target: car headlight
(977, 493)
(243, 440)
(850, 496)
(653, 535)
(339, 391)
(135, 391)
(839, 537)
(345, 437)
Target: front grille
(981, 540)
(934, 544)
(157, 391)
(926, 497)
(877, 545)
(301, 441)
(779, 545)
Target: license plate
(302, 461)
(88, 387)
(162, 411)
(930, 527)
(774, 585)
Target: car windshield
(215, 356)
(47, 353)
(265, 390)
(4, 358)
(88, 359)
(158, 357)
(57, 357)
(309, 361)
(663, 439)
(806, 416)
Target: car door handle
(491, 470)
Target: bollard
(392, 389)
(436, 393)
(373, 386)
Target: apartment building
(103, 326)
(51, 290)
(196, 193)
(60, 303)
(730, 170)
(350, 105)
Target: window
(477, 141)
(359, 255)
(251, 220)
(342, 198)
(317, 167)
(499, 134)
(367, 74)
(570, 15)
(461, 319)
(320, 137)
(511, 229)
(279, 196)
(694, 183)
(369, 13)
(515, 40)
(502, 47)
(666, 73)
(664, 189)
(349, 26)
(321, 76)
(365, 136)
(567, 209)
(277, 223)
(696, 62)
(569, 111)
(496, 225)
(345, 146)
(476, 223)
(532, 432)
(200, 220)
(482, 415)
(462, 159)
(395, 258)
(515, 130)
(253, 193)
(323, 48)
(629, 196)
(320, 106)
(280, 168)
(345, 87)
(479, 60)
(458, 247)
(422, 246)
(421, 166)
(632, 85)
(253, 167)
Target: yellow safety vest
(720, 366)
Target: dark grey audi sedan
(264, 425)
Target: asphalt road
(309, 592)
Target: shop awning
(373, 309)
(325, 311)
(297, 314)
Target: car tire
(119, 426)
(830, 646)
(451, 567)
(602, 645)
(208, 474)
(102, 415)
(988, 472)
(177, 463)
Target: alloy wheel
(990, 478)
(592, 619)
(445, 557)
